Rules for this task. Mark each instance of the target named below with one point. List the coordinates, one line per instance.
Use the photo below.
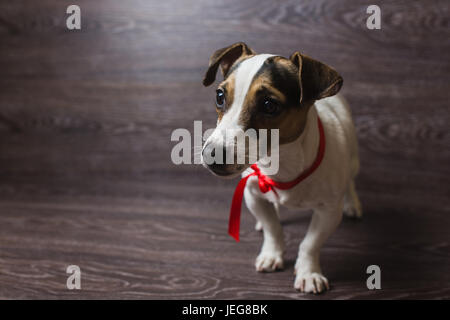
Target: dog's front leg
(309, 277)
(270, 257)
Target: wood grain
(85, 171)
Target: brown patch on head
(228, 88)
(277, 82)
(293, 85)
(317, 80)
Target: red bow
(266, 184)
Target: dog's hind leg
(270, 257)
(352, 205)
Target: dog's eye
(220, 99)
(270, 107)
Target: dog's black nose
(209, 156)
(215, 158)
(216, 162)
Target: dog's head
(262, 91)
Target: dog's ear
(225, 57)
(316, 79)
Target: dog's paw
(352, 205)
(353, 210)
(353, 213)
(258, 226)
(311, 282)
(269, 261)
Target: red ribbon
(266, 184)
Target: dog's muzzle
(217, 164)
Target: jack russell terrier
(318, 152)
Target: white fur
(243, 79)
(326, 191)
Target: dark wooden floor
(85, 170)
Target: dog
(297, 96)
